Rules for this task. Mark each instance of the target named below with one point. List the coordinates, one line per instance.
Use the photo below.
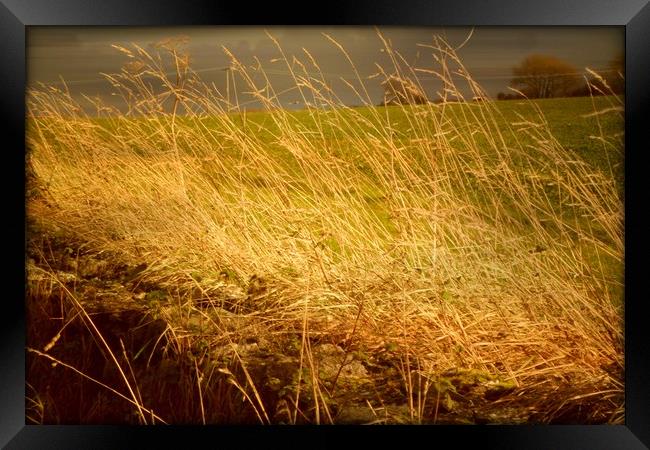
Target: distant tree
(584, 90)
(504, 96)
(615, 75)
(609, 81)
(400, 91)
(545, 76)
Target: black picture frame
(16, 15)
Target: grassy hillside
(456, 261)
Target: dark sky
(79, 54)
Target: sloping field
(441, 263)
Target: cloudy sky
(80, 54)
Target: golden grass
(372, 236)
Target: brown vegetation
(316, 267)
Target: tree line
(537, 76)
(545, 76)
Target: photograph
(325, 225)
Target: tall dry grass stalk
(459, 238)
